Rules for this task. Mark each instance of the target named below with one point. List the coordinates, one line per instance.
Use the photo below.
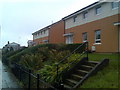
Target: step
(94, 62)
(91, 63)
(67, 86)
(83, 71)
(72, 81)
(78, 76)
(87, 66)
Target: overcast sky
(20, 18)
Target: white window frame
(98, 10)
(97, 41)
(74, 18)
(83, 36)
(85, 15)
(69, 39)
(113, 5)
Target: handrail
(57, 65)
(74, 61)
(71, 53)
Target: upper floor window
(84, 36)
(97, 36)
(74, 18)
(85, 15)
(115, 5)
(98, 10)
(44, 31)
(40, 33)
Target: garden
(42, 59)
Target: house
(56, 32)
(50, 34)
(30, 43)
(41, 36)
(11, 46)
(97, 23)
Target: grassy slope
(106, 78)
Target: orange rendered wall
(109, 34)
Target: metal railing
(28, 79)
(85, 51)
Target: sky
(20, 18)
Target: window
(45, 41)
(97, 36)
(85, 15)
(69, 39)
(44, 31)
(84, 36)
(115, 5)
(98, 10)
(41, 32)
(74, 18)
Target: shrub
(48, 73)
(5, 56)
(32, 61)
(72, 47)
(56, 56)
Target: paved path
(7, 79)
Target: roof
(81, 10)
(41, 29)
(13, 43)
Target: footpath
(7, 79)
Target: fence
(28, 79)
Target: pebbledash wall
(97, 23)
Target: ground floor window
(45, 41)
(97, 36)
(69, 39)
(84, 36)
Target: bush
(56, 56)
(32, 61)
(5, 56)
(48, 73)
(72, 47)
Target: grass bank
(107, 77)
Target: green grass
(105, 78)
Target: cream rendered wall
(41, 36)
(106, 10)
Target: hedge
(31, 50)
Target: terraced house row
(98, 23)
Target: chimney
(8, 42)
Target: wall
(109, 33)
(106, 11)
(40, 40)
(56, 32)
(44, 33)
